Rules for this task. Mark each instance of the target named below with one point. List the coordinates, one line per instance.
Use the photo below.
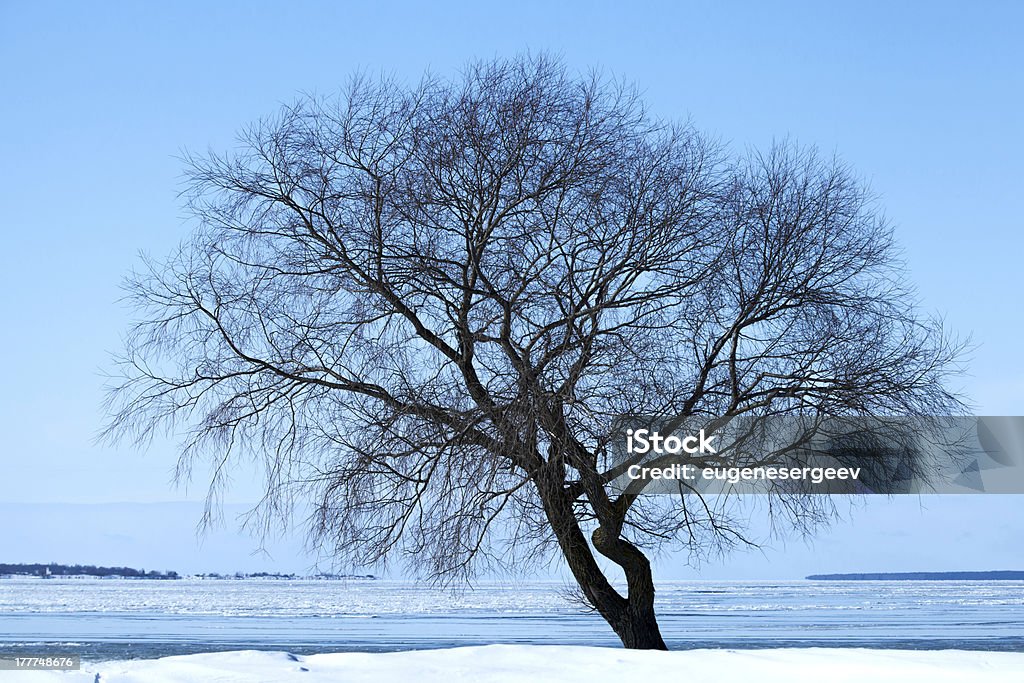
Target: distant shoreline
(78, 571)
(923, 576)
(56, 569)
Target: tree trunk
(638, 625)
(639, 628)
(632, 619)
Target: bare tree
(423, 308)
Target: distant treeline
(923, 576)
(82, 570)
(285, 577)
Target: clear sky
(923, 98)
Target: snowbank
(501, 663)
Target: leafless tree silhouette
(423, 307)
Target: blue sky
(923, 99)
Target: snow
(538, 663)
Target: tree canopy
(422, 308)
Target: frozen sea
(103, 619)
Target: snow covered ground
(535, 664)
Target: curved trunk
(638, 627)
(633, 618)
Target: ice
(112, 619)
